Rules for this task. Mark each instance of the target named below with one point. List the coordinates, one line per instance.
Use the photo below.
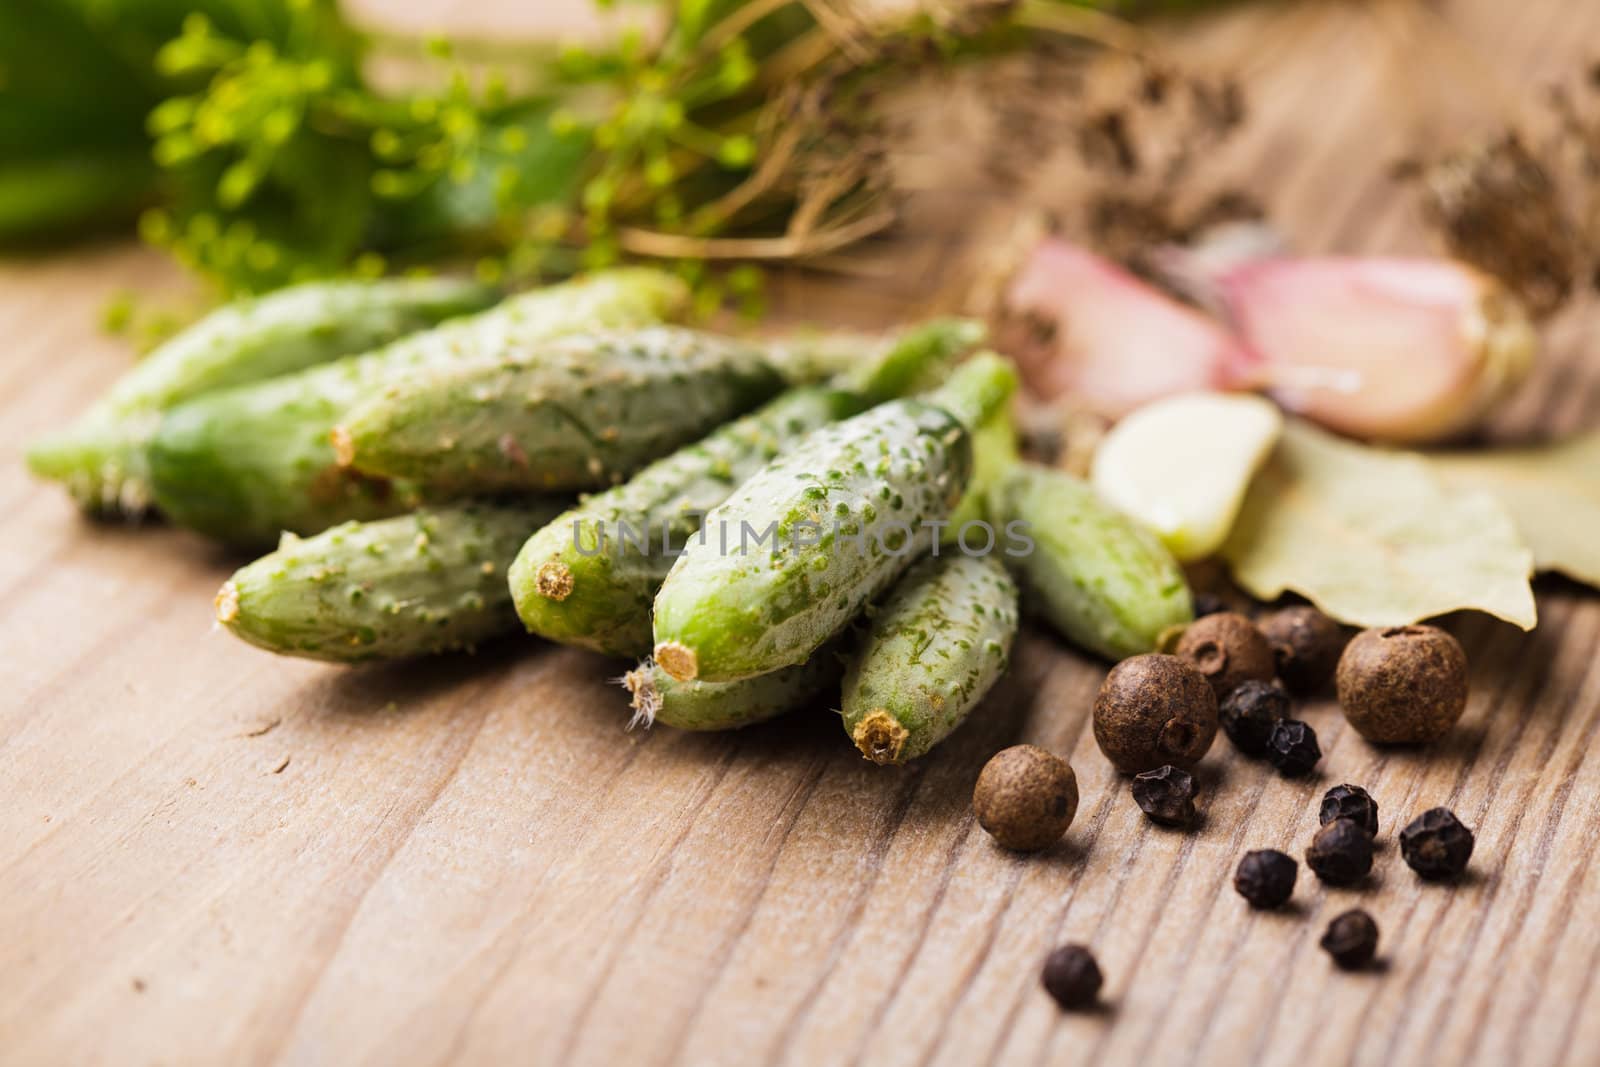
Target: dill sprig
(743, 130)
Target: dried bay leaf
(1374, 537)
(1551, 492)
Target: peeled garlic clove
(1405, 351)
(1079, 324)
(1181, 466)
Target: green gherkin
(578, 412)
(589, 577)
(929, 654)
(994, 453)
(1106, 583)
(101, 457)
(243, 464)
(843, 514)
(432, 581)
(696, 705)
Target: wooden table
(210, 855)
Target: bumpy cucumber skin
(725, 614)
(742, 614)
(697, 705)
(1107, 584)
(930, 653)
(243, 464)
(289, 330)
(579, 412)
(428, 582)
(246, 464)
(918, 358)
(568, 591)
(994, 453)
(100, 459)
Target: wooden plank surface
(209, 855)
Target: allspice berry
(1153, 710)
(1026, 798)
(1306, 645)
(1403, 684)
(1227, 649)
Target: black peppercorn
(1293, 748)
(1340, 853)
(1166, 795)
(1208, 604)
(1072, 976)
(1352, 939)
(1250, 712)
(1306, 644)
(1265, 878)
(1350, 802)
(1227, 649)
(1436, 845)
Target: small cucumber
(432, 581)
(100, 458)
(697, 705)
(994, 452)
(589, 577)
(843, 514)
(578, 412)
(931, 650)
(1107, 584)
(245, 463)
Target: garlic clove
(1080, 324)
(1191, 270)
(1510, 345)
(1404, 351)
(1180, 466)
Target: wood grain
(208, 855)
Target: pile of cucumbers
(762, 526)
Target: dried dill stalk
(738, 130)
(1523, 203)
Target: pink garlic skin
(1401, 351)
(1080, 324)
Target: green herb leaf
(276, 159)
(1375, 538)
(53, 196)
(1551, 492)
